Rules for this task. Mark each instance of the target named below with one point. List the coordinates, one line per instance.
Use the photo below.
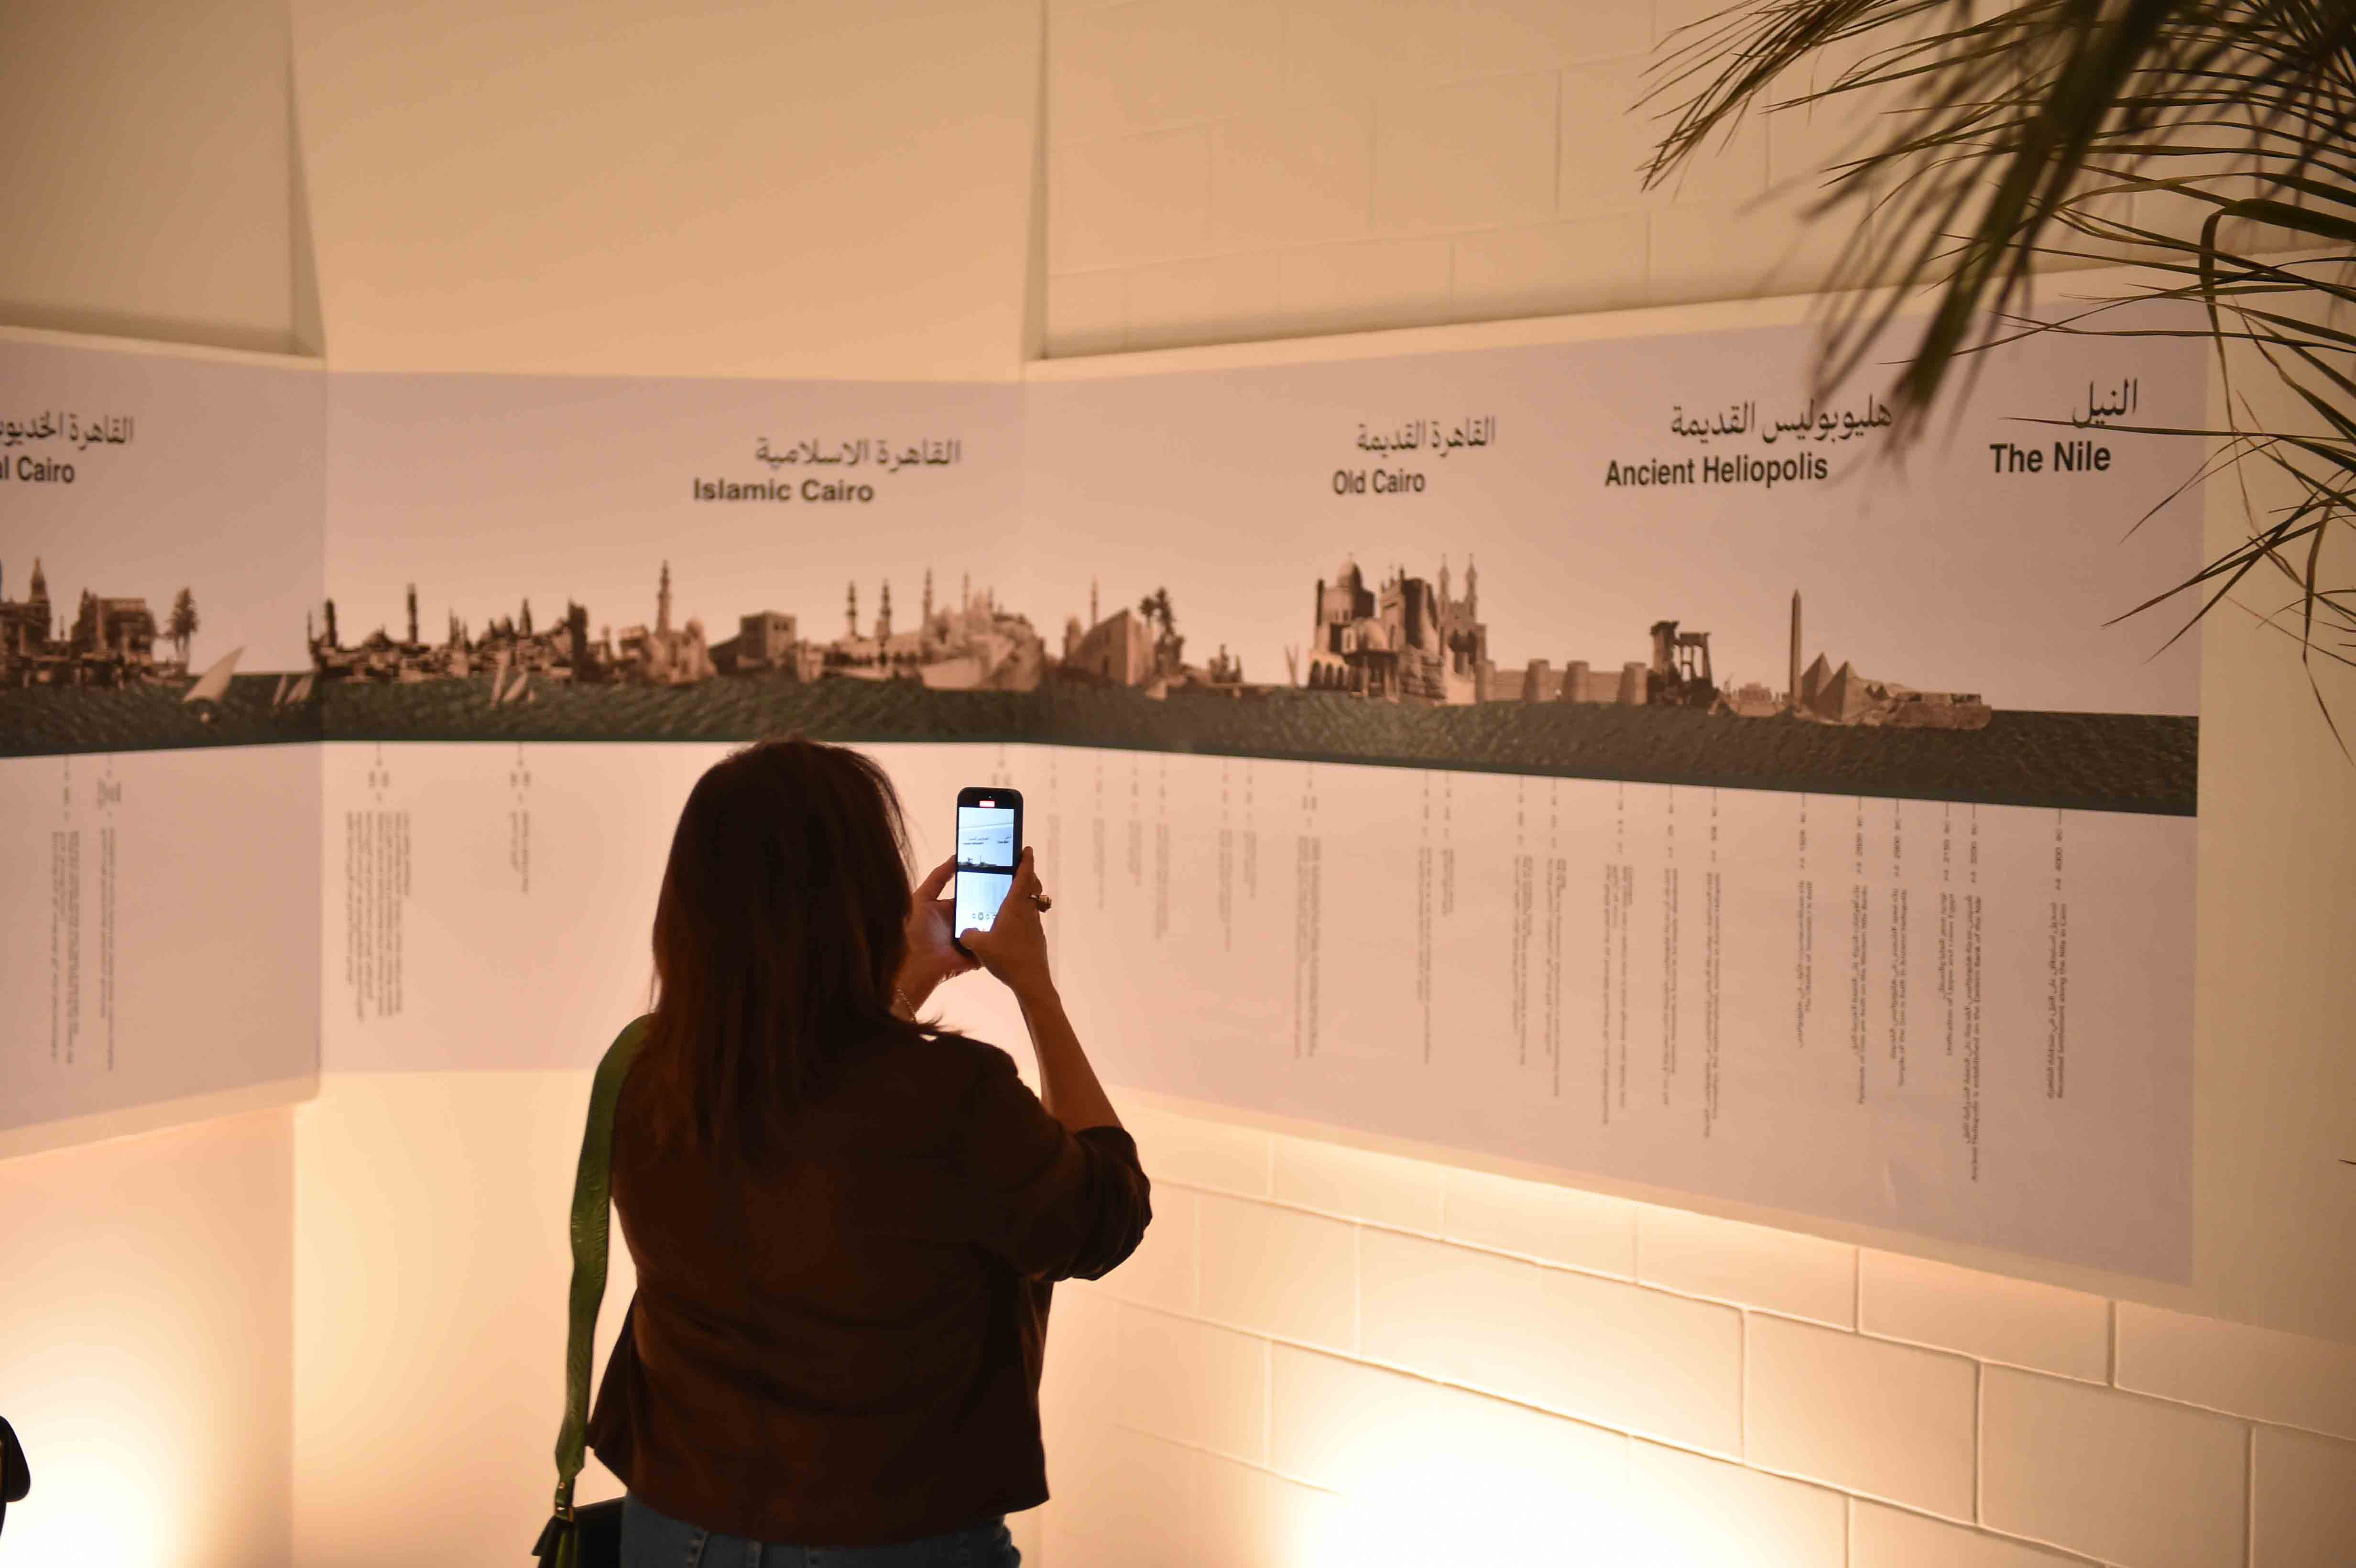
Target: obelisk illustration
(1791, 700)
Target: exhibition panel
(1763, 816)
(488, 906)
(159, 783)
(557, 600)
(1670, 783)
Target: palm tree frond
(2213, 143)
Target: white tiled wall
(1224, 170)
(1230, 169)
(1322, 1355)
(1327, 1357)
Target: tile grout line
(2250, 1495)
(1979, 1443)
(1358, 1292)
(1267, 1404)
(1742, 1390)
(1195, 1281)
(1556, 206)
(1211, 179)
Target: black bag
(596, 1536)
(16, 1477)
(588, 1536)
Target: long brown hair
(776, 940)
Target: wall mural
(1606, 754)
(159, 771)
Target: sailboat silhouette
(213, 685)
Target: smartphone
(988, 846)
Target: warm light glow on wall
(429, 1349)
(144, 1318)
(1489, 1504)
(106, 1477)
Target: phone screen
(986, 856)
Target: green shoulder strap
(593, 1188)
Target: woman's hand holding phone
(931, 956)
(1014, 948)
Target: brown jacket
(843, 1346)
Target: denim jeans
(651, 1539)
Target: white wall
(148, 186)
(146, 1282)
(712, 189)
(146, 1306)
(1315, 1333)
(1236, 170)
(1316, 1342)
(1323, 1353)
(1226, 170)
(431, 1261)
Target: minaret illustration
(1792, 693)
